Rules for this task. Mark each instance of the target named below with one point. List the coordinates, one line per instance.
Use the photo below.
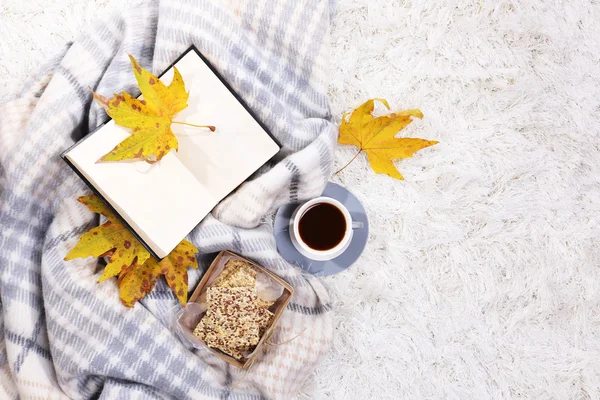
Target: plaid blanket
(63, 335)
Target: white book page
(163, 202)
(223, 159)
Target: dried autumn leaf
(150, 119)
(138, 280)
(138, 271)
(376, 136)
(174, 268)
(110, 236)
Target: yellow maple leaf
(138, 271)
(112, 236)
(376, 136)
(150, 119)
(138, 280)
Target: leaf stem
(344, 167)
(212, 128)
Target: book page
(162, 202)
(223, 159)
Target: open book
(162, 202)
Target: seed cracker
(265, 303)
(236, 273)
(265, 319)
(236, 318)
(200, 329)
(234, 314)
(205, 331)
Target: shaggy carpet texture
(482, 275)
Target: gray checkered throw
(63, 335)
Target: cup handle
(357, 225)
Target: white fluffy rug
(482, 276)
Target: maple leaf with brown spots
(138, 271)
(149, 119)
(135, 282)
(112, 236)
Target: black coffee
(322, 226)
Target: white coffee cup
(321, 255)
